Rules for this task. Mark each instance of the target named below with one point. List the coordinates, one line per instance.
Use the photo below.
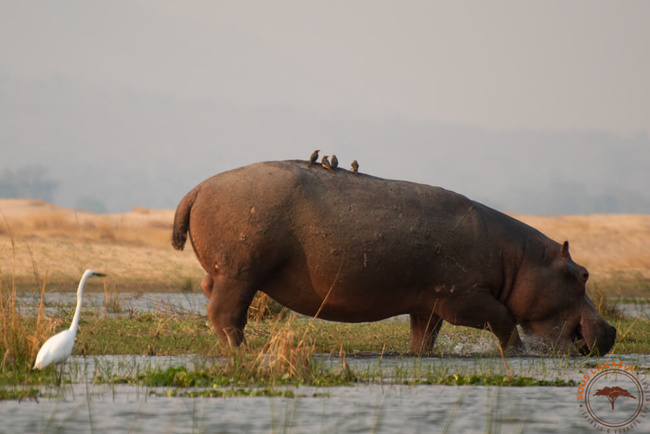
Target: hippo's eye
(585, 276)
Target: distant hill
(108, 149)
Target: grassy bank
(134, 249)
(162, 334)
(280, 352)
(166, 334)
(46, 249)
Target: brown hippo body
(358, 248)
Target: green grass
(633, 336)
(230, 393)
(170, 334)
(19, 393)
(145, 334)
(327, 377)
(163, 334)
(495, 380)
(279, 352)
(295, 339)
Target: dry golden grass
(35, 218)
(134, 247)
(21, 339)
(609, 245)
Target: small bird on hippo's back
(355, 167)
(313, 157)
(334, 162)
(326, 163)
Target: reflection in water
(394, 404)
(386, 407)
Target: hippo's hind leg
(424, 330)
(206, 285)
(228, 307)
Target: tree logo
(613, 393)
(613, 397)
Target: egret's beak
(98, 274)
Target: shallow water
(388, 406)
(343, 409)
(385, 407)
(80, 370)
(193, 303)
(187, 303)
(635, 310)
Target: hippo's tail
(182, 219)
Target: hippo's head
(549, 300)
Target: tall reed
(284, 357)
(20, 336)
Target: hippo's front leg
(228, 308)
(424, 330)
(479, 309)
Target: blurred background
(536, 107)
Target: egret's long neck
(77, 312)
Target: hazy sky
(578, 66)
(499, 64)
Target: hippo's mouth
(579, 341)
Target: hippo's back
(269, 211)
(299, 231)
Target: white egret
(58, 348)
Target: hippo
(352, 247)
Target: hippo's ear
(565, 250)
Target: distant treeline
(30, 181)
